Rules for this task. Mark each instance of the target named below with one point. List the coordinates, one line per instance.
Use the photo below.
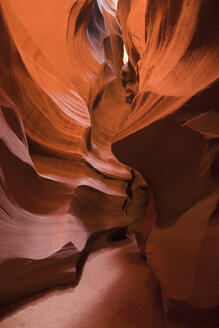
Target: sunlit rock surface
(79, 131)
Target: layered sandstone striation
(92, 148)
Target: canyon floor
(116, 290)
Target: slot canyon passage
(109, 158)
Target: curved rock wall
(67, 100)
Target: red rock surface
(87, 142)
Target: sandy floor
(116, 290)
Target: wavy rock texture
(171, 137)
(63, 192)
(67, 101)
